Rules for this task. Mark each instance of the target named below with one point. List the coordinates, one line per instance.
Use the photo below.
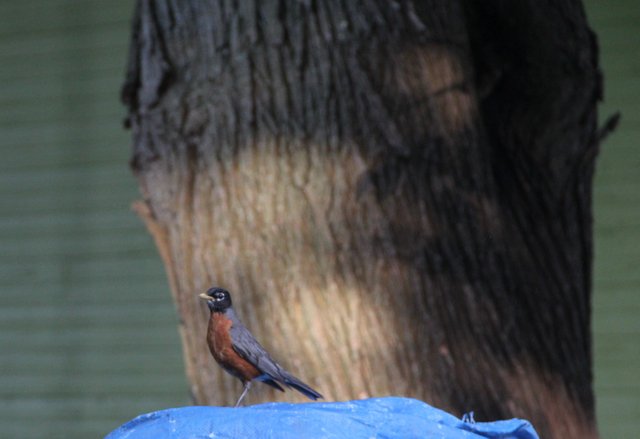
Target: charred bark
(398, 193)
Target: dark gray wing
(245, 344)
(251, 350)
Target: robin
(239, 353)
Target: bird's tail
(301, 387)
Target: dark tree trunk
(397, 193)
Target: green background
(87, 329)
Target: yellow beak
(205, 297)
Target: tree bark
(397, 194)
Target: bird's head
(218, 299)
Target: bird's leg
(247, 386)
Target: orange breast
(221, 347)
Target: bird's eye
(219, 296)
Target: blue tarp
(369, 418)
